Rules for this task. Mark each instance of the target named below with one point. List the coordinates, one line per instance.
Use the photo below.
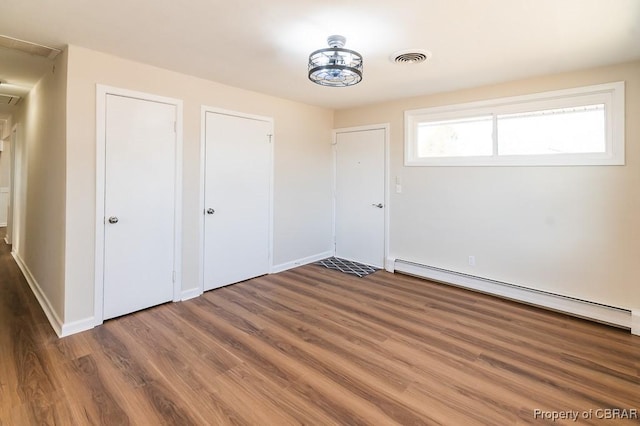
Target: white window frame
(609, 94)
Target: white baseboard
(77, 326)
(304, 261)
(190, 294)
(607, 314)
(6, 240)
(390, 265)
(51, 314)
(635, 322)
(3, 224)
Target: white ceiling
(264, 45)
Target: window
(582, 126)
(464, 137)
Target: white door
(237, 198)
(360, 208)
(140, 179)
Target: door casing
(101, 95)
(387, 209)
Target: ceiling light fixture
(335, 66)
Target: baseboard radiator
(581, 308)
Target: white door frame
(203, 126)
(101, 102)
(385, 127)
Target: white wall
(573, 231)
(41, 117)
(6, 112)
(5, 180)
(302, 166)
(5, 167)
(5, 163)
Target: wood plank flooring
(317, 347)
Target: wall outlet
(472, 261)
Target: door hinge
(173, 277)
(175, 127)
(269, 136)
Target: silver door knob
(210, 211)
(113, 219)
(379, 205)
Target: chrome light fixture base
(335, 66)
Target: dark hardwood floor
(317, 347)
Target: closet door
(238, 162)
(139, 204)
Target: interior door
(359, 208)
(140, 164)
(237, 198)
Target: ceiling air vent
(411, 56)
(28, 47)
(9, 99)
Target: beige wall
(568, 230)
(41, 118)
(5, 170)
(6, 125)
(302, 165)
(5, 164)
(6, 111)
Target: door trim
(101, 108)
(383, 126)
(204, 109)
